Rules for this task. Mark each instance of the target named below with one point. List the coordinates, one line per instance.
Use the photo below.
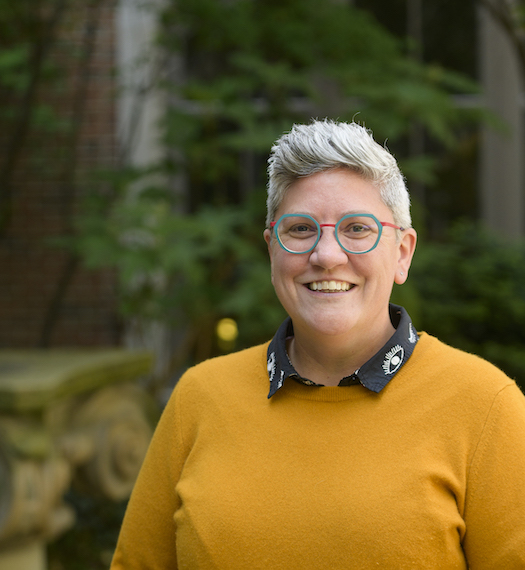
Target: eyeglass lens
(355, 234)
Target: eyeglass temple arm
(392, 226)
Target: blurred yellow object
(227, 330)
(227, 333)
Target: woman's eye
(353, 230)
(302, 229)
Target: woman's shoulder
(461, 388)
(234, 371)
(447, 362)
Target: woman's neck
(326, 360)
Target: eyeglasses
(355, 233)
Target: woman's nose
(328, 253)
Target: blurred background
(134, 136)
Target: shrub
(469, 291)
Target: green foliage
(470, 292)
(13, 67)
(191, 269)
(251, 69)
(254, 67)
(23, 63)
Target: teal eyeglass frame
(380, 226)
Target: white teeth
(331, 286)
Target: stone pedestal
(67, 417)
(31, 556)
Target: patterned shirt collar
(373, 375)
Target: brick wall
(50, 178)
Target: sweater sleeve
(495, 506)
(148, 533)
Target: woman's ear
(267, 234)
(406, 249)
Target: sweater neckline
(339, 393)
(325, 393)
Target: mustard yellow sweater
(427, 474)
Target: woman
(348, 441)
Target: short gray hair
(325, 145)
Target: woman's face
(361, 305)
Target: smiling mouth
(329, 286)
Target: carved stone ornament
(67, 418)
